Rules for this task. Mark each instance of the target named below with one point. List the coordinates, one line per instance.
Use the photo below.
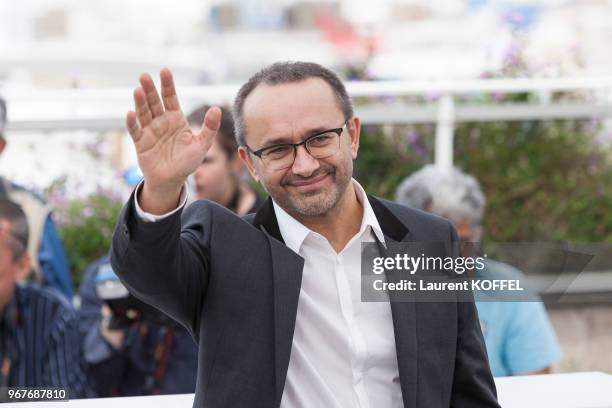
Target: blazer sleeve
(163, 264)
(473, 385)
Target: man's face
(290, 113)
(217, 177)
(464, 230)
(11, 269)
(467, 233)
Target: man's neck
(339, 224)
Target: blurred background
(515, 93)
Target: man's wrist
(158, 201)
(148, 217)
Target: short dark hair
(288, 72)
(225, 135)
(19, 231)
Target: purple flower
(87, 212)
(414, 142)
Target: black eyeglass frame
(337, 131)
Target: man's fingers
(212, 119)
(168, 90)
(212, 122)
(155, 105)
(132, 126)
(142, 107)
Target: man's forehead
(290, 109)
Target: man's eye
(321, 140)
(278, 151)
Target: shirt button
(126, 231)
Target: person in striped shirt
(39, 344)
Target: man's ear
(354, 128)
(22, 266)
(236, 165)
(2, 143)
(246, 159)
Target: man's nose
(304, 164)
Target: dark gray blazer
(235, 286)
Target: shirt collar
(294, 233)
(369, 218)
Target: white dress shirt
(343, 352)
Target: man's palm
(167, 149)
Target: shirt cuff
(148, 217)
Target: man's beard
(315, 203)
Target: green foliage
(543, 180)
(388, 154)
(86, 227)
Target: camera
(126, 309)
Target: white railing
(104, 109)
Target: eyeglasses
(320, 145)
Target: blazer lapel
(287, 269)
(403, 313)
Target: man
(273, 300)
(219, 176)
(519, 337)
(47, 259)
(39, 343)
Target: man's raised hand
(168, 150)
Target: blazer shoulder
(250, 218)
(423, 225)
(205, 212)
(201, 210)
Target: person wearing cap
(48, 265)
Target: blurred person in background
(39, 339)
(48, 262)
(145, 355)
(518, 335)
(220, 177)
